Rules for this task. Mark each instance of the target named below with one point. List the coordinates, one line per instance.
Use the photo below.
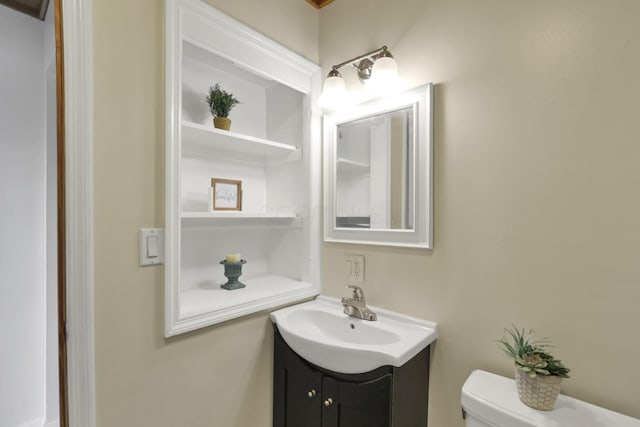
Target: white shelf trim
(237, 214)
(232, 144)
(201, 307)
(196, 21)
(351, 163)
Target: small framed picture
(227, 194)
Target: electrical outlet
(355, 268)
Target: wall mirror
(378, 171)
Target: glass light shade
(384, 77)
(333, 93)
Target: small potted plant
(221, 103)
(538, 373)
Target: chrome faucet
(356, 305)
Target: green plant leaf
(220, 101)
(531, 356)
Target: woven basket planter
(539, 392)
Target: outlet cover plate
(355, 268)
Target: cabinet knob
(328, 402)
(311, 393)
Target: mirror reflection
(374, 166)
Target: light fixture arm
(373, 53)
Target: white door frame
(78, 75)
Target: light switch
(151, 246)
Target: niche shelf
(261, 293)
(351, 166)
(273, 149)
(238, 215)
(234, 218)
(234, 146)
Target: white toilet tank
(489, 400)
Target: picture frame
(227, 194)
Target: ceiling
(35, 8)
(38, 8)
(319, 3)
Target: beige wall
(292, 23)
(219, 376)
(536, 184)
(536, 201)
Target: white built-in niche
(273, 147)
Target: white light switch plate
(151, 246)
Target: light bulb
(333, 93)
(384, 77)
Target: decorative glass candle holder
(232, 271)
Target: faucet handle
(358, 293)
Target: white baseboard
(38, 422)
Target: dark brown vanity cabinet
(309, 396)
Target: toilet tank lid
(494, 399)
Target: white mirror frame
(421, 236)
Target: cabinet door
(297, 393)
(363, 404)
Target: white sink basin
(322, 334)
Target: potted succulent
(221, 103)
(538, 373)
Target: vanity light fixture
(376, 69)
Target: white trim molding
(197, 24)
(33, 423)
(78, 76)
(420, 235)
